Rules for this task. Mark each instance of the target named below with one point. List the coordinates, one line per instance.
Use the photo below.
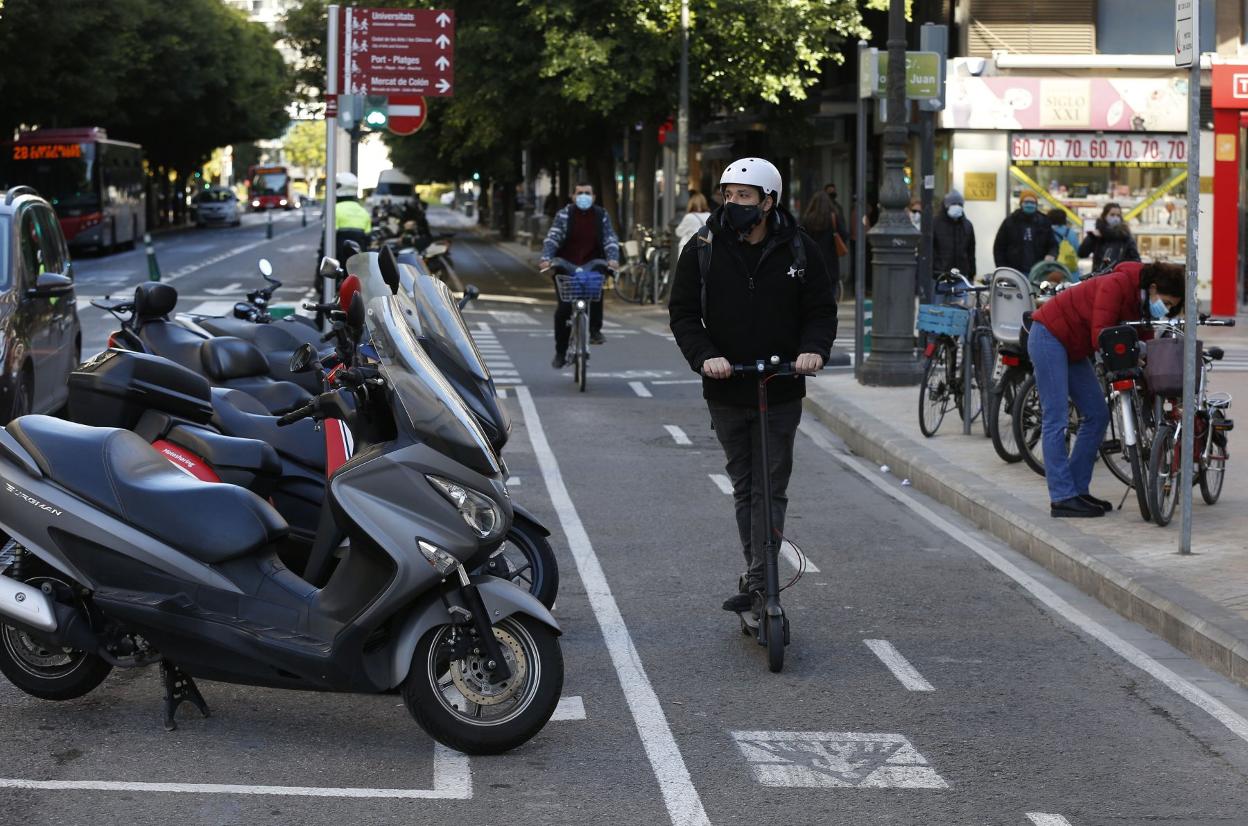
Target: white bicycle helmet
(346, 185)
(754, 172)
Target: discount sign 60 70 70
(397, 51)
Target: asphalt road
(934, 677)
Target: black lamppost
(894, 239)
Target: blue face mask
(1158, 308)
(583, 201)
(1029, 207)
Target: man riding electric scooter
(749, 286)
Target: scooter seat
(237, 413)
(121, 473)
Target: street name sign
(923, 75)
(1186, 31)
(397, 52)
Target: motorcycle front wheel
(449, 692)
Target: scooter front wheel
(776, 639)
(450, 694)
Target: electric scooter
(771, 627)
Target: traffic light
(376, 111)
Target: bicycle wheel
(985, 364)
(934, 391)
(1001, 416)
(958, 390)
(1145, 433)
(1025, 420)
(628, 283)
(1164, 476)
(1213, 463)
(582, 351)
(1111, 450)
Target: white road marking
(452, 780)
(494, 372)
(684, 806)
(905, 673)
(502, 392)
(790, 556)
(569, 708)
(1042, 819)
(216, 259)
(508, 380)
(229, 290)
(639, 387)
(512, 317)
(678, 381)
(513, 299)
(215, 308)
(722, 482)
(513, 481)
(678, 435)
(1236, 724)
(836, 759)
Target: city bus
(269, 187)
(96, 185)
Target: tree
(304, 147)
(181, 79)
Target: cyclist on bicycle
(580, 232)
(751, 285)
(1063, 337)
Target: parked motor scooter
(117, 559)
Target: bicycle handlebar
(596, 264)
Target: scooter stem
(771, 548)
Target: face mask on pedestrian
(916, 218)
(1029, 207)
(1158, 308)
(955, 211)
(583, 201)
(1113, 220)
(742, 217)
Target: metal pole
(928, 161)
(682, 115)
(331, 148)
(860, 233)
(1190, 365)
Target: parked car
(217, 206)
(40, 336)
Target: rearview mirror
(470, 294)
(389, 267)
(329, 267)
(302, 359)
(51, 285)
(266, 267)
(355, 315)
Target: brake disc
(472, 678)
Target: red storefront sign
(1230, 100)
(397, 52)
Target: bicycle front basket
(943, 320)
(582, 285)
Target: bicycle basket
(1163, 372)
(943, 320)
(582, 285)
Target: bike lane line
(905, 673)
(681, 798)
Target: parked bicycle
(645, 275)
(1010, 306)
(579, 285)
(944, 379)
(1164, 376)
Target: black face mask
(742, 218)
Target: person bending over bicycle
(751, 285)
(580, 232)
(1063, 337)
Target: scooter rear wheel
(453, 700)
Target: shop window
(1083, 171)
(1031, 27)
(1145, 26)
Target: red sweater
(1077, 315)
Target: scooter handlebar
(297, 414)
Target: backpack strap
(703, 238)
(799, 254)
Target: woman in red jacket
(1063, 338)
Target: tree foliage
(180, 78)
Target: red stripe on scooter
(337, 450)
(185, 461)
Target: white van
(392, 186)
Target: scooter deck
(749, 623)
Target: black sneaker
(1097, 503)
(559, 361)
(1074, 508)
(738, 603)
(597, 338)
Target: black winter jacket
(752, 315)
(1113, 246)
(953, 245)
(1023, 240)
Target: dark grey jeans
(737, 430)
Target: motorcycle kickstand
(179, 689)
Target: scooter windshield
(434, 411)
(441, 321)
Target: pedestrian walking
(1062, 341)
(1110, 241)
(821, 224)
(695, 216)
(580, 232)
(1025, 237)
(953, 237)
(752, 285)
(841, 223)
(1067, 239)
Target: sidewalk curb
(1194, 624)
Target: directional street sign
(397, 52)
